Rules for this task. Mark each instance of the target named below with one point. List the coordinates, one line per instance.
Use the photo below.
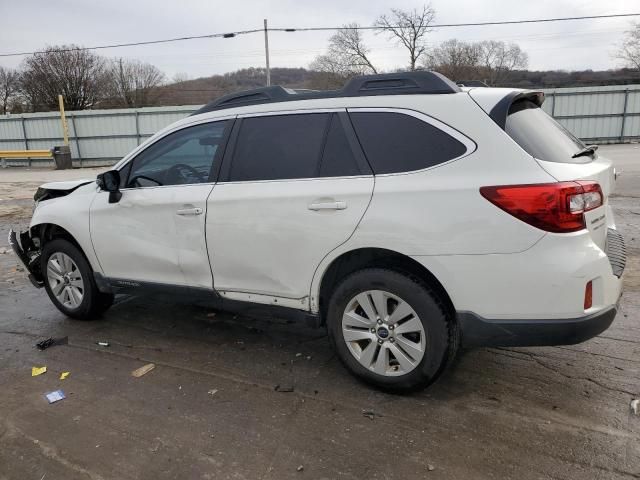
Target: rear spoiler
(500, 111)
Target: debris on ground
(284, 388)
(370, 414)
(300, 468)
(138, 372)
(213, 391)
(430, 467)
(56, 396)
(635, 407)
(211, 314)
(50, 342)
(3, 251)
(103, 344)
(298, 354)
(35, 371)
(64, 375)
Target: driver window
(181, 158)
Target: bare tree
(180, 77)
(629, 51)
(9, 87)
(346, 57)
(133, 83)
(79, 75)
(409, 29)
(498, 59)
(455, 59)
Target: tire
(412, 345)
(78, 296)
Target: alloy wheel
(383, 332)
(65, 280)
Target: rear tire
(391, 329)
(69, 281)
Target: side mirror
(110, 182)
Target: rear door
(293, 187)
(557, 151)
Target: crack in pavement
(51, 452)
(532, 356)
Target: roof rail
(472, 83)
(403, 83)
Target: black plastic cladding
(406, 83)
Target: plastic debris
(430, 467)
(50, 342)
(298, 354)
(635, 407)
(138, 372)
(103, 344)
(64, 375)
(284, 388)
(35, 371)
(300, 468)
(211, 314)
(213, 391)
(56, 396)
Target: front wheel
(69, 282)
(390, 329)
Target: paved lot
(209, 409)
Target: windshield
(541, 136)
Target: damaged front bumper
(29, 254)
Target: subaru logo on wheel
(383, 332)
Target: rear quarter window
(541, 136)
(396, 142)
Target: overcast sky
(29, 25)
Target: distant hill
(203, 90)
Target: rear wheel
(69, 282)
(390, 329)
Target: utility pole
(266, 51)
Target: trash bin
(62, 157)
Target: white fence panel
(101, 137)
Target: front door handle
(327, 206)
(190, 211)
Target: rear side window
(279, 147)
(541, 136)
(338, 159)
(395, 142)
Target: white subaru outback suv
(408, 215)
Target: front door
(293, 188)
(156, 232)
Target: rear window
(541, 136)
(279, 147)
(395, 142)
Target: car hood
(66, 185)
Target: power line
(477, 24)
(319, 29)
(133, 44)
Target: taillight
(553, 207)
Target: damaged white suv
(407, 214)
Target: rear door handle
(189, 211)
(327, 206)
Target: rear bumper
(478, 331)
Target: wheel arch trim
(377, 257)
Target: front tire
(390, 329)
(69, 281)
